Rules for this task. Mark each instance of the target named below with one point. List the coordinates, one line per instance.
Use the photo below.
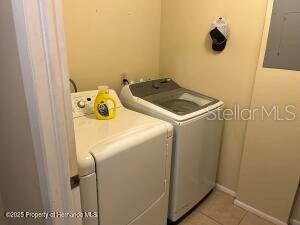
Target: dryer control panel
(83, 102)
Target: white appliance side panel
(131, 175)
(195, 163)
(155, 215)
(168, 171)
(88, 194)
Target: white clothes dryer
(124, 164)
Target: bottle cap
(103, 89)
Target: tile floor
(218, 209)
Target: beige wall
(186, 55)
(270, 167)
(19, 183)
(107, 38)
(296, 210)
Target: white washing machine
(124, 164)
(197, 139)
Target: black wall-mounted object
(219, 34)
(219, 41)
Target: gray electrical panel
(283, 47)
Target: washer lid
(181, 101)
(180, 106)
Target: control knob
(81, 104)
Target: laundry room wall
(270, 168)
(186, 55)
(19, 186)
(108, 38)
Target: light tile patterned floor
(218, 209)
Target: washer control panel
(83, 103)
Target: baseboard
(294, 222)
(259, 213)
(226, 190)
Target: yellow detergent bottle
(105, 104)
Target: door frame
(42, 51)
